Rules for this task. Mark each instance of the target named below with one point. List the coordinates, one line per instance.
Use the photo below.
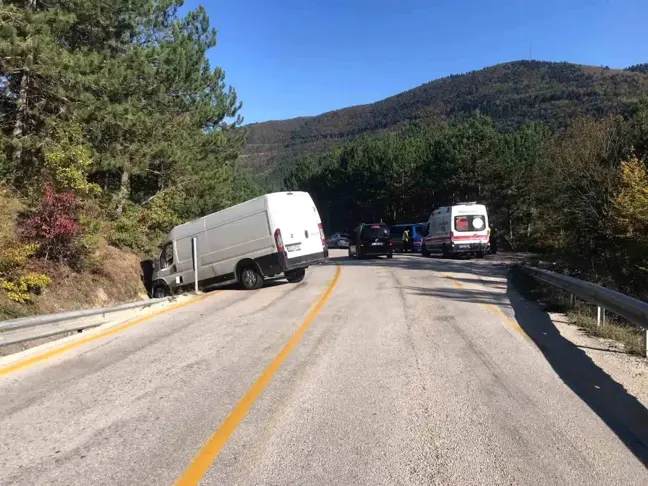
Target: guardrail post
(194, 244)
(599, 315)
(572, 300)
(646, 343)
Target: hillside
(512, 94)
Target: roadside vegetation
(578, 196)
(580, 314)
(114, 128)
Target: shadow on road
(621, 411)
(461, 295)
(475, 267)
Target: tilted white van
(279, 233)
(460, 229)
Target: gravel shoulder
(629, 371)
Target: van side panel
(225, 245)
(223, 239)
(439, 231)
(184, 260)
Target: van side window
(166, 256)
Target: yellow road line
(206, 456)
(114, 330)
(512, 323)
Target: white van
(458, 229)
(279, 233)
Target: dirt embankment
(116, 280)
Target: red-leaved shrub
(54, 225)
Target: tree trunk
(124, 192)
(21, 108)
(21, 102)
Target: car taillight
(279, 241)
(452, 235)
(321, 228)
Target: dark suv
(371, 240)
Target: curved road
(410, 371)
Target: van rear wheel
(251, 279)
(296, 276)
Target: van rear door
(469, 226)
(375, 239)
(295, 215)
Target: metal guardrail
(634, 310)
(28, 328)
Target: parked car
(371, 240)
(459, 229)
(338, 240)
(279, 233)
(416, 231)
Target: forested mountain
(511, 94)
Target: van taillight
(279, 241)
(321, 228)
(452, 235)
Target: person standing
(406, 240)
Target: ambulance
(459, 229)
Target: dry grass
(628, 335)
(581, 314)
(116, 280)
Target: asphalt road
(414, 371)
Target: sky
(289, 58)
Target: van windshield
(375, 231)
(473, 222)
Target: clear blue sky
(289, 58)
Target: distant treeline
(512, 94)
(580, 194)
